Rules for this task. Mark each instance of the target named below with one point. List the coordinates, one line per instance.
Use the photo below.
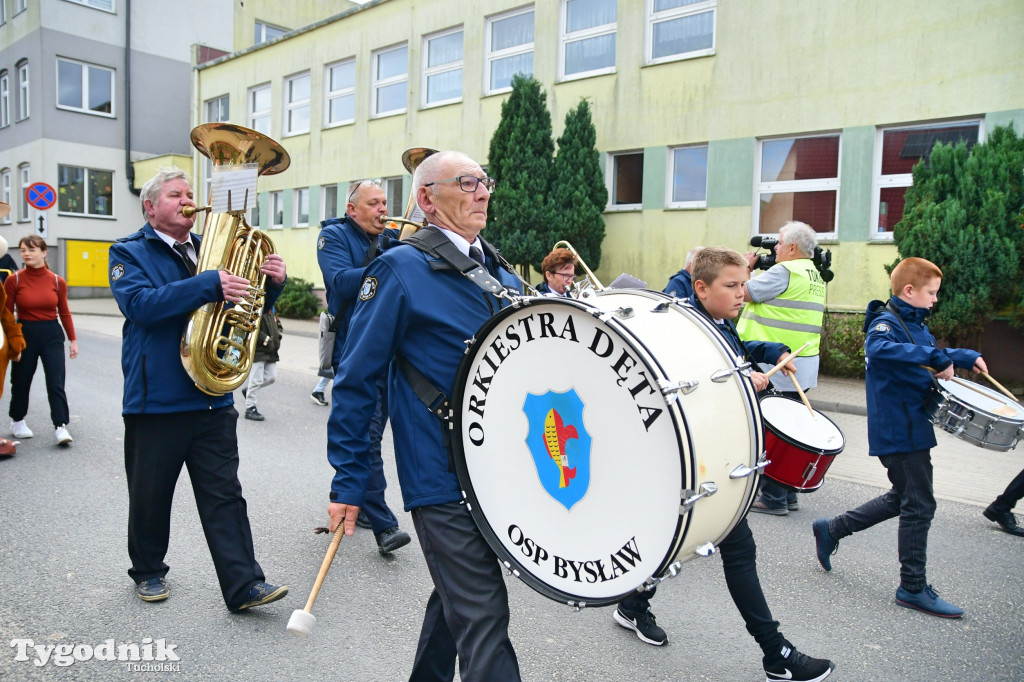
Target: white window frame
(24, 92)
(276, 205)
(654, 18)
(5, 193)
(376, 84)
(670, 180)
(795, 186)
(260, 32)
(84, 84)
(491, 55)
(86, 199)
(334, 95)
(610, 181)
(297, 195)
(5, 96)
(24, 180)
(338, 195)
(448, 67)
(3, 12)
(565, 38)
(292, 106)
(20, 6)
(903, 179)
(252, 114)
(94, 4)
(221, 116)
(388, 186)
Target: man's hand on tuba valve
(233, 287)
(274, 268)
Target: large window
(24, 180)
(276, 210)
(688, 177)
(300, 199)
(897, 151)
(296, 104)
(340, 102)
(3, 12)
(509, 49)
(106, 5)
(626, 181)
(5, 193)
(442, 70)
(390, 74)
(587, 38)
(217, 110)
(85, 191)
(259, 108)
(85, 88)
(5, 96)
(798, 179)
(329, 201)
(23, 93)
(20, 6)
(265, 32)
(678, 29)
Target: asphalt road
(63, 580)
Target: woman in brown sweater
(39, 296)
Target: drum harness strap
(896, 313)
(433, 242)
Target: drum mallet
(302, 622)
(792, 355)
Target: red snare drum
(800, 445)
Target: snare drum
(601, 442)
(800, 444)
(976, 413)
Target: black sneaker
(798, 667)
(642, 623)
(390, 539)
(263, 593)
(318, 398)
(363, 521)
(253, 414)
(154, 589)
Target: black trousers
(43, 341)
(739, 561)
(155, 448)
(467, 612)
(1011, 496)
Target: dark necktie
(476, 254)
(182, 250)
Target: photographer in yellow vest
(786, 305)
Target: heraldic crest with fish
(560, 444)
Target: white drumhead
(983, 398)
(791, 418)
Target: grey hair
(690, 254)
(151, 190)
(430, 169)
(355, 189)
(800, 234)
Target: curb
(842, 408)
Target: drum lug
(690, 498)
(661, 307)
(671, 571)
(470, 343)
(675, 387)
(742, 471)
(577, 605)
(722, 375)
(623, 313)
(707, 549)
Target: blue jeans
(321, 385)
(912, 499)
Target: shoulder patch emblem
(882, 327)
(320, 242)
(368, 289)
(117, 272)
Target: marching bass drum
(602, 442)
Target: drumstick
(777, 367)
(302, 622)
(961, 382)
(1000, 387)
(803, 397)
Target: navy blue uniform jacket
(156, 296)
(680, 286)
(414, 305)
(897, 386)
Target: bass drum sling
(600, 443)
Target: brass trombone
(411, 159)
(594, 282)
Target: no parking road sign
(40, 195)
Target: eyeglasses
(361, 183)
(568, 276)
(468, 183)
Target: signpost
(41, 197)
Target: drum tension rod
(676, 387)
(722, 375)
(742, 471)
(690, 498)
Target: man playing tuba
(168, 421)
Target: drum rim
(947, 395)
(507, 559)
(834, 452)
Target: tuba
(220, 339)
(411, 159)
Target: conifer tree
(520, 159)
(963, 213)
(578, 193)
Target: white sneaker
(63, 437)
(21, 430)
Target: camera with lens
(822, 259)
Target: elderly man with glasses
(345, 247)
(417, 305)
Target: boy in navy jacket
(899, 349)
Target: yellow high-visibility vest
(793, 317)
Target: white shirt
(171, 241)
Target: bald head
(443, 201)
